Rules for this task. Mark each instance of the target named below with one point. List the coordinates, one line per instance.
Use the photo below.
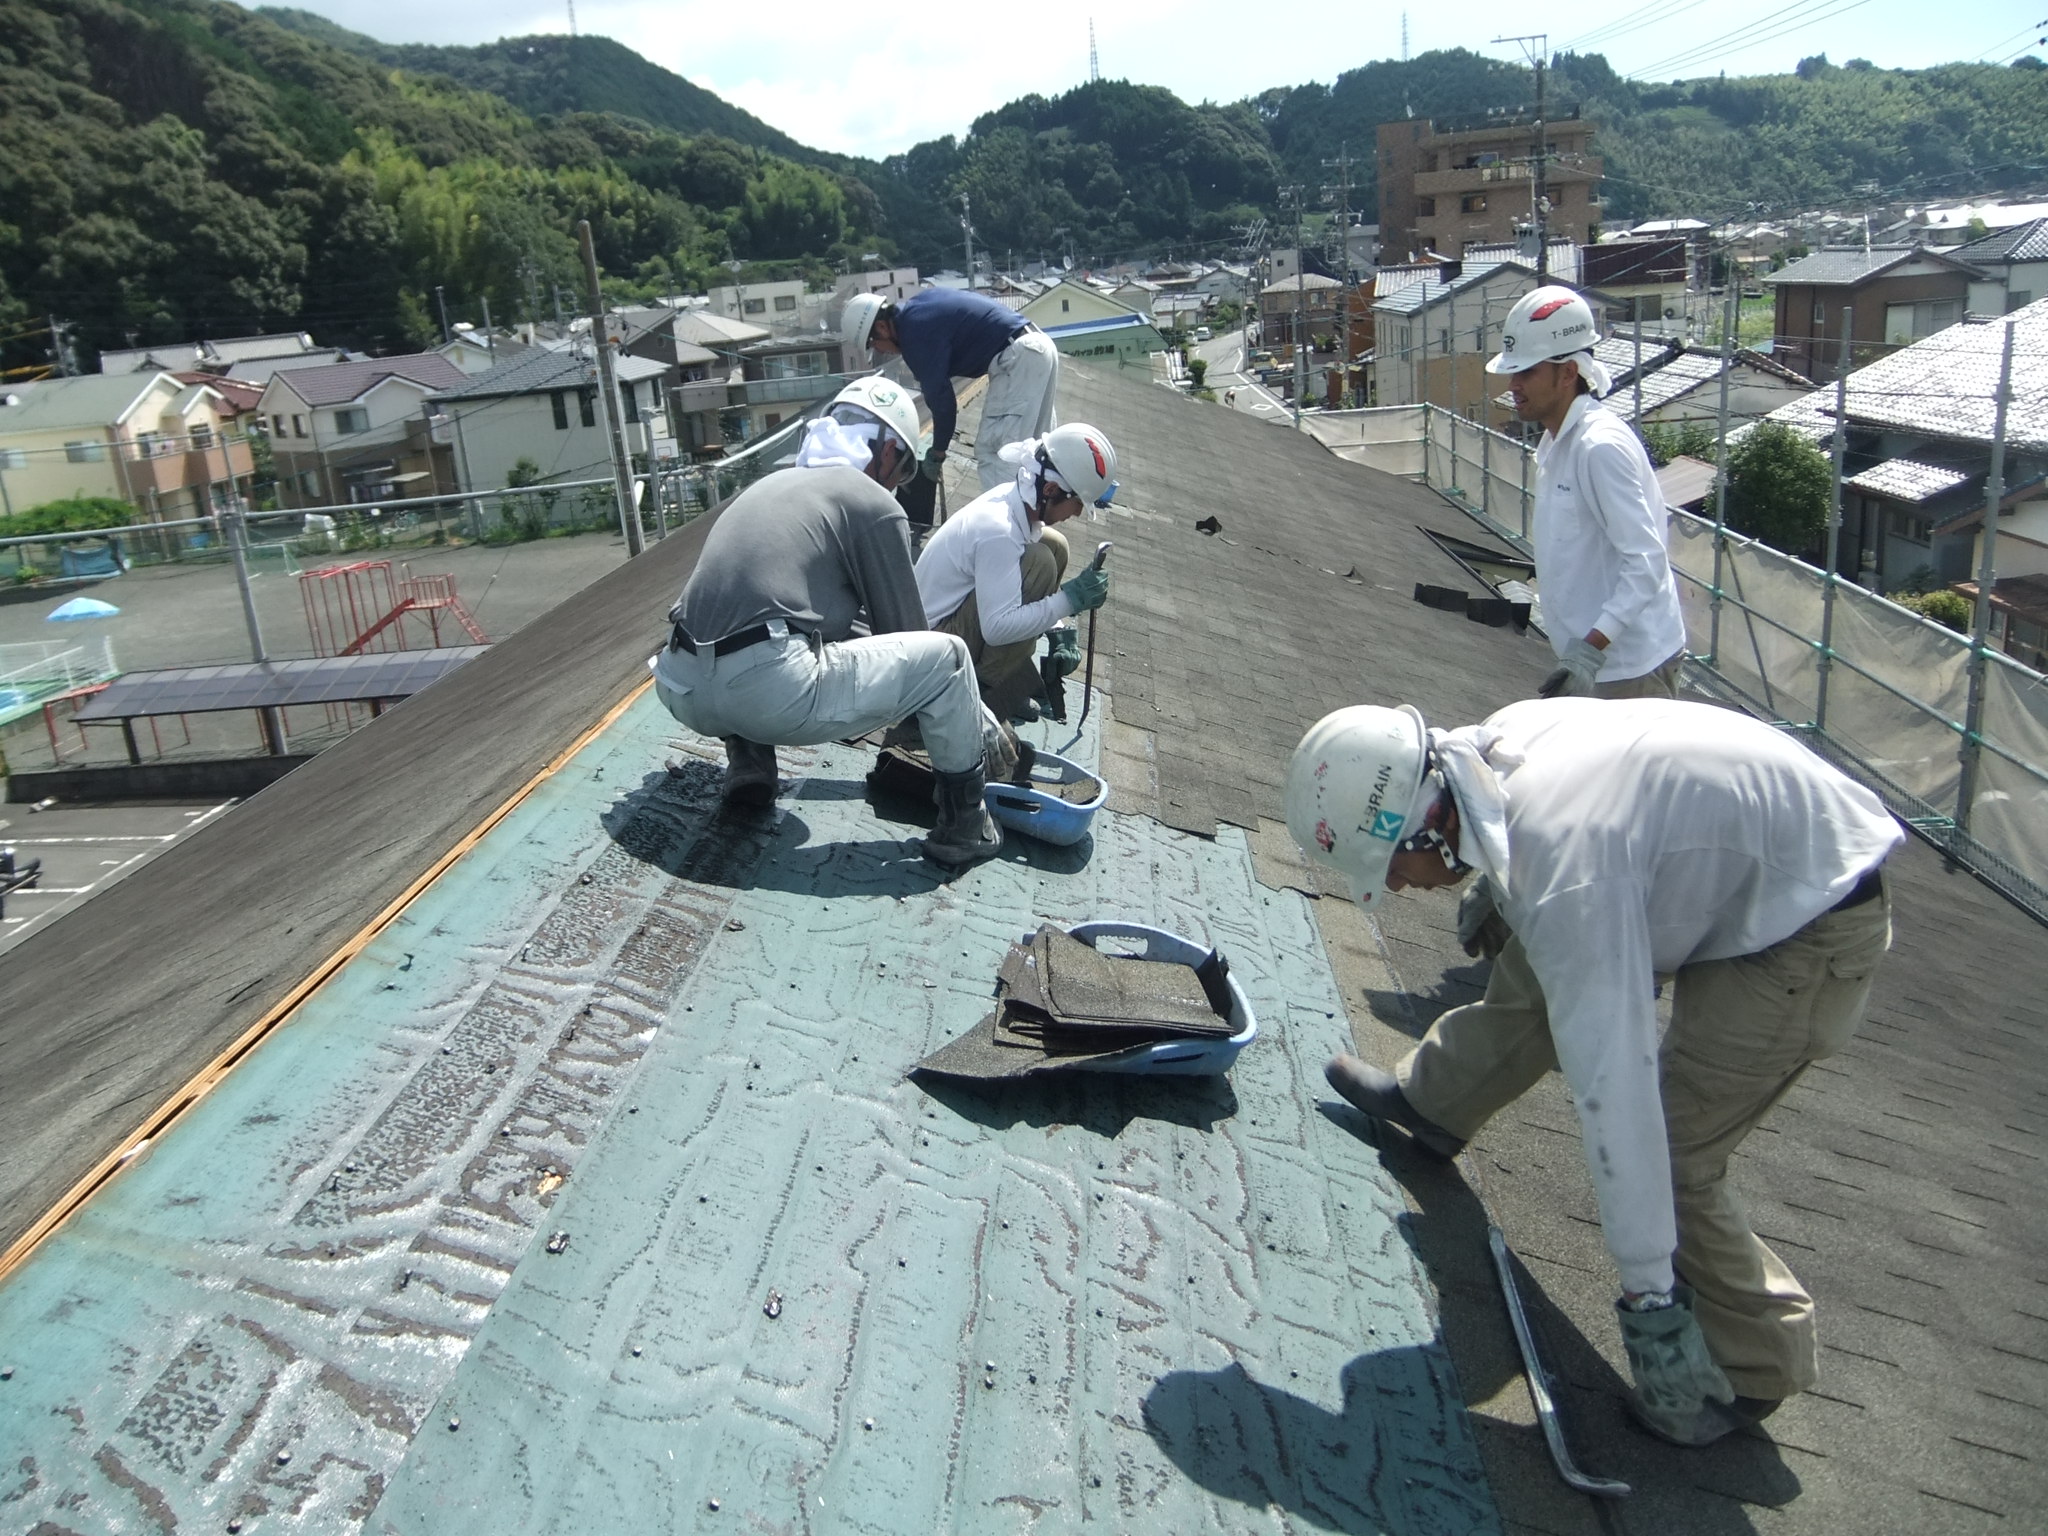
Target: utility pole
(967, 234)
(1987, 578)
(1539, 151)
(441, 299)
(607, 392)
(1300, 307)
(1343, 189)
(57, 353)
(490, 343)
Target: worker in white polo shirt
(995, 572)
(1628, 840)
(1609, 602)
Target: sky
(837, 78)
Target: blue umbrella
(83, 608)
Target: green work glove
(933, 464)
(1675, 1376)
(1087, 591)
(1576, 671)
(1064, 647)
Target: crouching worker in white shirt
(993, 572)
(764, 649)
(1628, 839)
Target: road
(1225, 356)
(84, 849)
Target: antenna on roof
(572, 18)
(1094, 63)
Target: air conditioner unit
(441, 428)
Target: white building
(543, 407)
(357, 432)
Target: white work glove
(1482, 931)
(1675, 1376)
(1577, 668)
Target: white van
(1201, 333)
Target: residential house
(1136, 294)
(1444, 185)
(1669, 381)
(144, 438)
(889, 282)
(1128, 339)
(779, 307)
(542, 407)
(248, 357)
(1957, 225)
(780, 378)
(698, 381)
(1920, 423)
(358, 432)
(1564, 266)
(1309, 300)
(1433, 337)
(475, 351)
(1178, 311)
(1073, 303)
(1643, 279)
(1225, 282)
(2015, 266)
(1896, 295)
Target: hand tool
(1088, 676)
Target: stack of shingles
(1062, 1003)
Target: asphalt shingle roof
(341, 382)
(1846, 266)
(541, 370)
(91, 400)
(2023, 242)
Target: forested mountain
(183, 168)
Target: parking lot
(84, 849)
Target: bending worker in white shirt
(992, 573)
(1628, 839)
(1609, 602)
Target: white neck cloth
(1594, 372)
(1471, 762)
(830, 444)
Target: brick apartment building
(1447, 185)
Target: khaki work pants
(1660, 682)
(1006, 672)
(1742, 1032)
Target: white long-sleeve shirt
(980, 550)
(1599, 535)
(1642, 836)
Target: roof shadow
(1101, 1103)
(1377, 1464)
(1411, 1013)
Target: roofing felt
(1907, 480)
(1946, 385)
(539, 370)
(259, 684)
(2023, 242)
(338, 383)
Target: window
(82, 452)
(754, 306)
(2017, 298)
(309, 484)
(1820, 315)
(277, 426)
(586, 406)
(1064, 306)
(1914, 530)
(561, 410)
(298, 426)
(1910, 322)
(785, 301)
(13, 458)
(202, 435)
(351, 420)
(1425, 207)
(1473, 202)
(629, 403)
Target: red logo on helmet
(1325, 838)
(1101, 468)
(1545, 311)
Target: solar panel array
(266, 684)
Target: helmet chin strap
(1432, 838)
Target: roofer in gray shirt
(764, 649)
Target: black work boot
(965, 832)
(751, 778)
(1380, 1096)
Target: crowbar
(1539, 1382)
(1088, 677)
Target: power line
(1794, 18)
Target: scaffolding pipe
(1987, 576)
(1828, 577)
(1713, 655)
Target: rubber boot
(965, 832)
(751, 777)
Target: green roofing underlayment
(794, 1290)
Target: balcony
(694, 395)
(165, 465)
(785, 391)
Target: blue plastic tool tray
(1187, 1058)
(1036, 813)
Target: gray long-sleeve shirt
(818, 548)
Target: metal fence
(1870, 685)
(34, 672)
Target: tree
(1779, 488)
(1944, 607)
(1668, 440)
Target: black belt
(679, 639)
(1866, 889)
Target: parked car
(1201, 333)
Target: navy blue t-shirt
(947, 334)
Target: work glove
(1064, 649)
(1482, 931)
(1576, 670)
(933, 465)
(1675, 1376)
(1087, 591)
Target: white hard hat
(1084, 461)
(858, 319)
(879, 399)
(1357, 781)
(1543, 326)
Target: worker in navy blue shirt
(943, 334)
